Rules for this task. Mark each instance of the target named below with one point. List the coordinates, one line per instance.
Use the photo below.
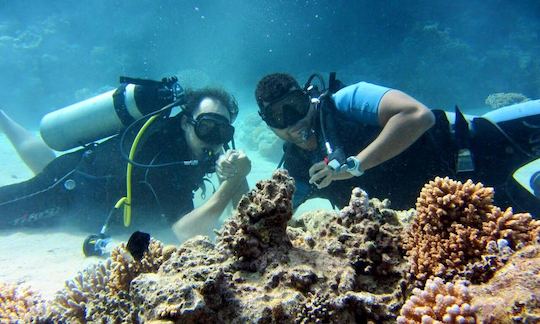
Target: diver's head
(207, 118)
(286, 109)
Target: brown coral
(260, 222)
(513, 294)
(454, 224)
(439, 303)
(364, 232)
(19, 303)
(272, 280)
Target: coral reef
(324, 267)
(457, 227)
(513, 294)
(261, 271)
(260, 223)
(365, 232)
(439, 302)
(502, 99)
(101, 292)
(19, 304)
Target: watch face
(353, 166)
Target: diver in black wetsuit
(389, 144)
(85, 184)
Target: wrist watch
(353, 166)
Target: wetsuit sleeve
(360, 101)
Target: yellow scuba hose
(126, 201)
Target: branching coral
(102, 291)
(19, 304)
(454, 224)
(124, 268)
(439, 303)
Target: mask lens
(288, 110)
(213, 129)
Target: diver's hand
(241, 163)
(321, 175)
(224, 167)
(232, 164)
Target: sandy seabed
(45, 258)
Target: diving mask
(212, 128)
(286, 110)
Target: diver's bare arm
(404, 120)
(202, 219)
(242, 189)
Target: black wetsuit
(401, 178)
(84, 185)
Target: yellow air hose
(126, 201)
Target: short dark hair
(194, 98)
(274, 86)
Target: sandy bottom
(45, 258)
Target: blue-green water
(55, 53)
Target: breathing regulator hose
(126, 201)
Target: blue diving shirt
(361, 101)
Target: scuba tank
(108, 113)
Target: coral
(19, 304)
(502, 99)
(260, 271)
(260, 223)
(439, 302)
(517, 229)
(342, 267)
(453, 227)
(102, 291)
(513, 294)
(188, 286)
(364, 232)
(124, 268)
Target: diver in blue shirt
(388, 143)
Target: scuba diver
(390, 144)
(171, 155)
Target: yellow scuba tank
(106, 114)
